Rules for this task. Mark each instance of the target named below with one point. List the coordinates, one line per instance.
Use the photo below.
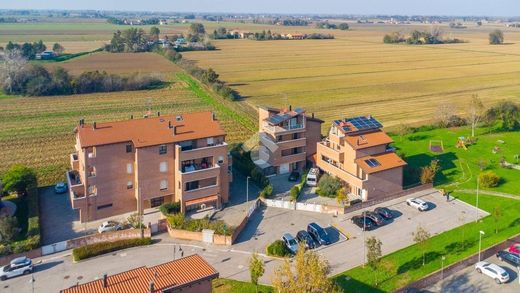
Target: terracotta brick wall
(4, 260)
(108, 236)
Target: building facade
(287, 138)
(133, 165)
(357, 151)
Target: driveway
(468, 280)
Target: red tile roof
(366, 140)
(175, 273)
(151, 131)
(386, 161)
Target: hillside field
(357, 74)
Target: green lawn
(233, 286)
(460, 167)
(405, 265)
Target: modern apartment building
(288, 139)
(136, 164)
(357, 152)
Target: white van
(312, 177)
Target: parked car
(417, 203)
(109, 226)
(290, 243)
(492, 270)
(375, 217)
(312, 177)
(384, 212)
(511, 258)
(61, 187)
(18, 266)
(514, 249)
(306, 238)
(294, 176)
(365, 223)
(318, 233)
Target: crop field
(38, 131)
(119, 63)
(356, 74)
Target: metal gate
(207, 235)
(53, 248)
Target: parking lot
(469, 280)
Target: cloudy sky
(401, 7)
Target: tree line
(21, 78)
(327, 25)
(420, 38)
(118, 21)
(29, 50)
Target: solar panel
(372, 163)
(362, 122)
(346, 128)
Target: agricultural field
(357, 74)
(118, 63)
(38, 131)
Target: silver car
(109, 226)
(18, 266)
(493, 271)
(290, 243)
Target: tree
(12, 69)
(475, 112)
(373, 254)
(328, 185)
(489, 179)
(496, 213)
(210, 76)
(421, 236)
(307, 274)
(496, 37)
(444, 113)
(8, 228)
(57, 48)
(428, 173)
(197, 29)
(256, 269)
(154, 32)
(19, 178)
(505, 116)
(479, 23)
(341, 196)
(343, 26)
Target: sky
(397, 7)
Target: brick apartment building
(288, 139)
(133, 165)
(357, 152)
(191, 274)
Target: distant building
(191, 274)
(163, 22)
(294, 36)
(46, 55)
(357, 152)
(238, 34)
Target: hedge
(170, 208)
(96, 249)
(179, 221)
(278, 248)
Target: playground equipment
(461, 143)
(436, 146)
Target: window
(372, 163)
(163, 149)
(129, 185)
(104, 206)
(186, 145)
(192, 185)
(129, 168)
(129, 148)
(92, 154)
(211, 142)
(163, 167)
(155, 202)
(164, 184)
(295, 136)
(220, 159)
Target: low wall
(107, 237)
(183, 234)
(456, 267)
(4, 260)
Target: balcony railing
(74, 178)
(196, 167)
(278, 129)
(192, 149)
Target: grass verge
(233, 286)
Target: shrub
(19, 179)
(8, 228)
(328, 186)
(5, 250)
(278, 248)
(96, 249)
(489, 179)
(295, 191)
(428, 173)
(267, 192)
(135, 221)
(179, 221)
(170, 208)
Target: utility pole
(480, 243)
(476, 206)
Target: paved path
(493, 193)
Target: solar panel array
(276, 119)
(372, 163)
(362, 122)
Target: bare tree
(475, 112)
(13, 65)
(374, 254)
(444, 112)
(421, 236)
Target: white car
(312, 177)
(18, 266)
(290, 242)
(492, 270)
(417, 203)
(109, 226)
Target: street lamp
(480, 243)
(247, 189)
(364, 241)
(442, 267)
(32, 280)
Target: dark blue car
(318, 233)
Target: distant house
(46, 55)
(163, 22)
(188, 274)
(240, 34)
(295, 36)
(180, 41)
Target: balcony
(200, 192)
(207, 151)
(325, 148)
(277, 130)
(335, 170)
(74, 161)
(292, 158)
(202, 173)
(292, 143)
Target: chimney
(174, 130)
(132, 116)
(82, 122)
(145, 116)
(290, 107)
(94, 125)
(158, 114)
(312, 115)
(105, 283)
(169, 124)
(214, 116)
(151, 288)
